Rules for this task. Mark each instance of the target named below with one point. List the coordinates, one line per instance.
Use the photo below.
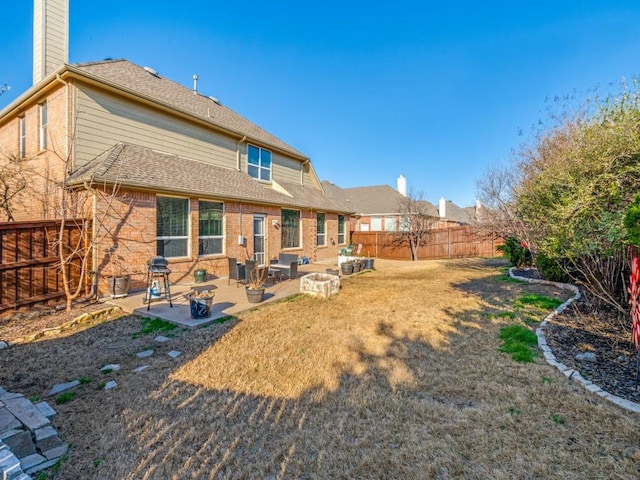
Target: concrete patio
(229, 299)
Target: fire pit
(320, 284)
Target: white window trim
(259, 166)
(299, 229)
(204, 237)
(344, 232)
(42, 126)
(22, 136)
(324, 235)
(182, 237)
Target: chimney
(402, 185)
(442, 207)
(50, 36)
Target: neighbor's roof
(455, 213)
(374, 200)
(135, 78)
(139, 167)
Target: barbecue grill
(157, 268)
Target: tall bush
(573, 187)
(516, 251)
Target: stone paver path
(28, 441)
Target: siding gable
(102, 120)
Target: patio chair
(236, 272)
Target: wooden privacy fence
(455, 242)
(29, 262)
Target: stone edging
(85, 317)
(551, 358)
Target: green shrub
(550, 268)
(632, 222)
(516, 251)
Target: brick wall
(43, 169)
(126, 234)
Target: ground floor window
(341, 230)
(321, 230)
(390, 224)
(172, 227)
(376, 224)
(290, 229)
(210, 228)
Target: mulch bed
(587, 327)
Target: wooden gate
(29, 262)
(455, 242)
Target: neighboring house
(377, 208)
(168, 170)
(454, 215)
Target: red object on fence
(634, 301)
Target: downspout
(94, 208)
(238, 143)
(66, 114)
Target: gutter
(31, 95)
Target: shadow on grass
(403, 406)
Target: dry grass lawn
(397, 377)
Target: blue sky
(436, 91)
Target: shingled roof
(373, 200)
(458, 214)
(139, 167)
(136, 79)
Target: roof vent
(214, 100)
(152, 71)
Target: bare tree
(77, 206)
(14, 174)
(416, 222)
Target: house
(159, 167)
(454, 215)
(380, 207)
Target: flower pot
(347, 268)
(200, 275)
(255, 295)
(332, 271)
(356, 267)
(369, 262)
(118, 286)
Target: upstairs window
(211, 235)
(43, 120)
(22, 126)
(259, 163)
(321, 234)
(172, 227)
(290, 228)
(341, 231)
